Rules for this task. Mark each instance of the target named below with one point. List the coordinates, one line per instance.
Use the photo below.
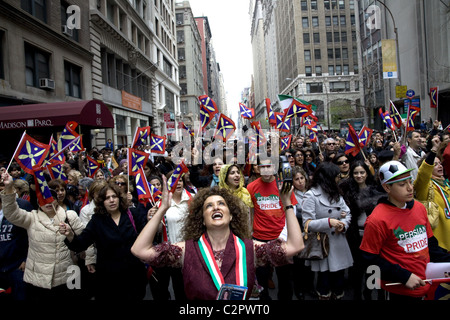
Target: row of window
(332, 54)
(37, 67)
(120, 75)
(336, 36)
(327, 4)
(332, 70)
(329, 21)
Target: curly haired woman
(217, 249)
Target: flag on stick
(176, 176)
(270, 113)
(136, 160)
(157, 144)
(286, 142)
(43, 193)
(364, 135)
(225, 127)
(30, 153)
(246, 113)
(395, 115)
(92, 166)
(140, 136)
(434, 94)
(353, 145)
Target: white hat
(392, 169)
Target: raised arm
(294, 242)
(143, 246)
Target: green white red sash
(447, 203)
(216, 274)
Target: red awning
(93, 113)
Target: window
(340, 86)
(167, 67)
(330, 54)
(37, 65)
(307, 55)
(342, 18)
(36, 8)
(317, 55)
(327, 21)
(313, 4)
(64, 17)
(304, 5)
(326, 4)
(341, 4)
(344, 53)
(335, 20)
(346, 70)
(306, 38)
(315, 21)
(72, 84)
(336, 37)
(329, 37)
(338, 69)
(352, 20)
(308, 71)
(318, 70)
(305, 23)
(314, 87)
(331, 70)
(344, 36)
(316, 37)
(337, 53)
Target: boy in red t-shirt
(268, 218)
(398, 236)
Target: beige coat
(48, 256)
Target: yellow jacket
(441, 227)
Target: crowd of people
(229, 216)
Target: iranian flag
(285, 101)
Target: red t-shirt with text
(269, 217)
(400, 236)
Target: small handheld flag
(176, 175)
(92, 166)
(43, 193)
(270, 113)
(353, 145)
(225, 127)
(157, 144)
(30, 153)
(140, 136)
(136, 159)
(246, 113)
(434, 94)
(286, 142)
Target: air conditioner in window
(67, 31)
(45, 83)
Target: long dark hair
(101, 197)
(325, 177)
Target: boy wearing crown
(398, 237)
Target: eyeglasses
(340, 163)
(331, 144)
(120, 183)
(308, 155)
(299, 155)
(289, 156)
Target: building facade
(190, 63)
(135, 70)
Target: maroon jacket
(198, 283)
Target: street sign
(410, 93)
(400, 91)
